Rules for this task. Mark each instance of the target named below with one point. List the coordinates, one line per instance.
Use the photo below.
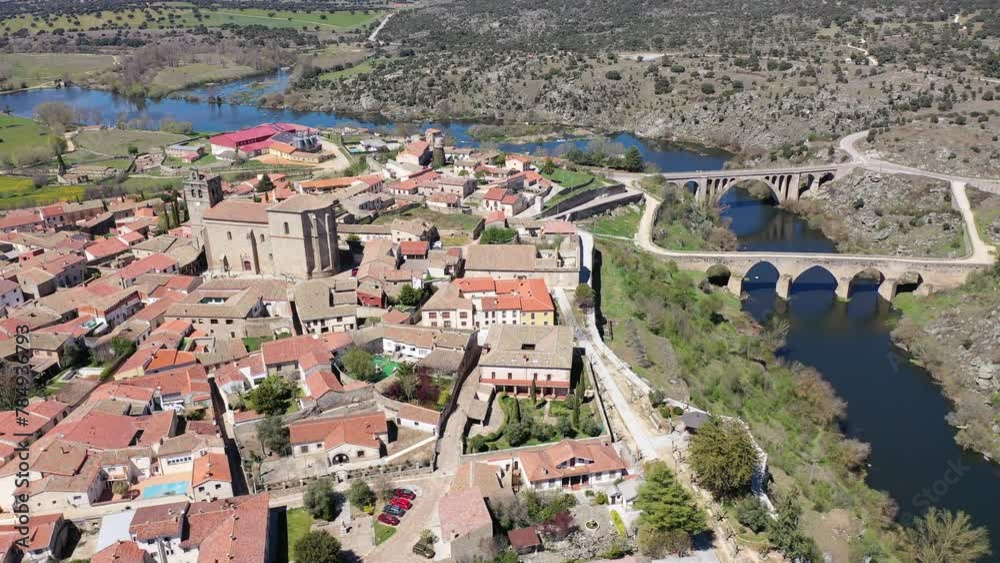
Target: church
(296, 237)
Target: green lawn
(383, 532)
(570, 178)
(573, 183)
(622, 225)
(298, 524)
(21, 137)
(116, 142)
(32, 69)
(446, 221)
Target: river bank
(955, 335)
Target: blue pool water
(165, 489)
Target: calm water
(891, 403)
(96, 106)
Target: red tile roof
(105, 248)
(358, 429)
(292, 349)
(238, 211)
(414, 248)
(322, 382)
(463, 512)
(233, 529)
(211, 467)
(158, 263)
(121, 552)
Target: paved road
(980, 257)
(860, 158)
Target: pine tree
(516, 413)
(534, 392)
(175, 213)
(265, 184)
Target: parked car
(402, 503)
(404, 493)
(424, 550)
(388, 519)
(394, 510)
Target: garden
(419, 386)
(530, 422)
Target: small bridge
(787, 184)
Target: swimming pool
(165, 489)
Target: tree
(723, 457)
(707, 88)
(317, 547)
(360, 364)
(497, 235)
(941, 535)
(517, 433)
(533, 392)
(786, 535)
(410, 296)
(613, 75)
(659, 544)
(123, 347)
(666, 506)
(406, 374)
(584, 296)
(271, 397)
(264, 184)
(320, 500)
(548, 167)
(633, 161)
(120, 487)
(360, 494)
(273, 435)
(75, 355)
(57, 116)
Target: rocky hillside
(887, 214)
(956, 335)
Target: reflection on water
(892, 404)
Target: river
(892, 404)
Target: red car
(404, 493)
(402, 503)
(388, 519)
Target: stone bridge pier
(891, 274)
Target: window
(361, 453)
(229, 321)
(262, 237)
(286, 227)
(218, 486)
(213, 322)
(229, 235)
(176, 460)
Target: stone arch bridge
(892, 273)
(787, 184)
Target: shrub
(751, 513)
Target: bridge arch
(749, 184)
(870, 274)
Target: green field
(361, 68)
(116, 142)
(443, 221)
(622, 225)
(21, 137)
(41, 196)
(298, 523)
(33, 69)
(165, 17)
(171, 79)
